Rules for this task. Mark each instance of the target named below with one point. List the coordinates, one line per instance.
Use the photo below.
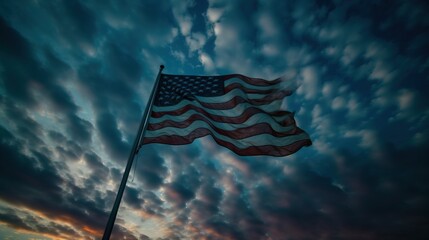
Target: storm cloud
(75, 77)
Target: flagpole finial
(161, 66)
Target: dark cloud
(210, 194)
(67, 149)
(152, 205)
(34, 182)
(183, 188)
(78, 128)
(23, 221)
(24, 73)
(178, 194)
(349, 194)
(14, 221)
(121, 232)
(36, 175)
(150, 168)
(28, 129)
(75, 77)
(17, 53)
(29, 81)
(386, 188)
(331, 205)
(113, 97)
(112, 137)
(80, 17)
(123, 65)
(132, 198)
(100, 173)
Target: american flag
(239, 112)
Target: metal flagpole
(142, 127)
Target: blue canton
(173, 88)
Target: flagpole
(142, 127)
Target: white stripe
(258, 140)
(255, 119)
(233, 112)
(221, 113)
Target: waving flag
(239, 112)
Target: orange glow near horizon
(63, 220)
(92, 231)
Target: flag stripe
(244, 116)
(281, 125)
(278, 122)
(253, 81)
(239, 116)
(235, 81)
(238, 133)
(238, 99)
(291, 145)
(233, 86)
(252, 140)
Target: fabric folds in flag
(241, 113)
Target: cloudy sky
(75, 77)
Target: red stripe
(234, 120)
(249, 131)
(238, 99)
(256, 129)
(233, 86)
(252, 81)
(269, 150)
(248, 112)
